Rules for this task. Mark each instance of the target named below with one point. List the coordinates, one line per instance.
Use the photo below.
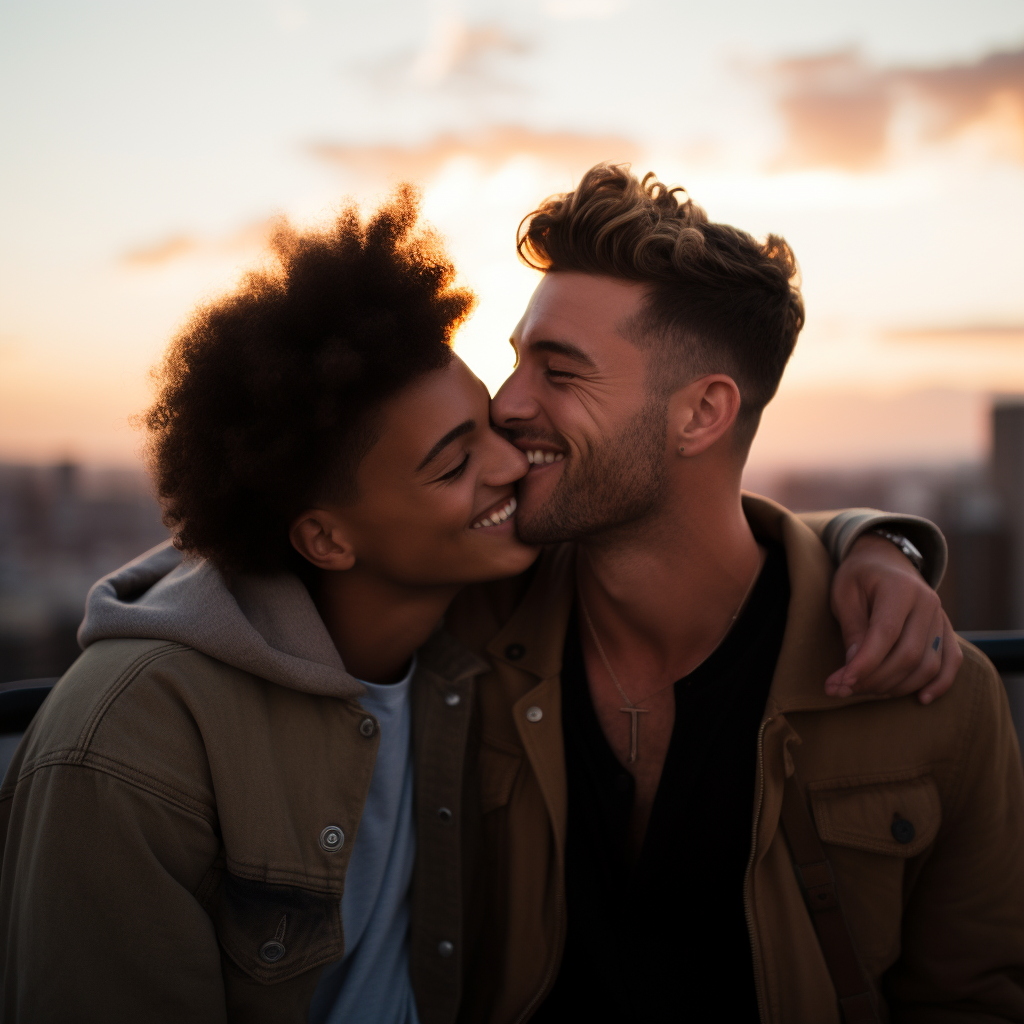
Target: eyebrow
(564, 348)
(462, 428)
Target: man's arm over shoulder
(102, 860)
(963, 928)
(897, 637)
(840, 529)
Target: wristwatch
(908, 549)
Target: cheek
(420, 534)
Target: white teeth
(539, 458)
(497, 517)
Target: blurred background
(148, 149)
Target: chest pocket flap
(275, 932)
(894, 818)
(499, 766)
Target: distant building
(980, 509)
(61, 529)
(1008, 483)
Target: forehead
(570, 306)
(426, 409)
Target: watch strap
(906, 546)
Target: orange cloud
(456, 53)
(962, 95)
(245, 240)
(838, 110)
(160, 252)
(492, 148)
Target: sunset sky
(148, 148)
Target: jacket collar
(812, 648)
(449, 658)
(533, 638)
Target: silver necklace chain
(634, 709)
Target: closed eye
(456, 472)
(561, 374)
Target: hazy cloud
(492, 147)
(967, 336)
(456, 53)
(839, 111)
(250, 238)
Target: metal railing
(1003, 647)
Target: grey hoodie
(263, 624)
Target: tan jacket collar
(449, 658)
(812, 647)
(533, 638)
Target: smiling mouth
(538, 458)
(498, 515)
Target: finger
(952, 657)
(881, 632)
(851, 611)
(902, 658)
(930, 663)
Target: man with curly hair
(249, 800)
(693, 808)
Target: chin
(517, 559)
(532, 496)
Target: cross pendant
(633, 712)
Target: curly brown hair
(720, 302)
(266, 399)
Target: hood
(263, 624)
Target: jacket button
(444, 814)
(514, 652)
(534, 714)
(272, 951)
(445, 948)
(452, 699)
(903, 831)
(367, 727)
(332, 838)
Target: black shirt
(666, 939)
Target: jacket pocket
(498, 765)
(893, 818)
(275, 932)
(871, 833)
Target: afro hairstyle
(266, 399)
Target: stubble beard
(619, 482)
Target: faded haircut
(719, 301)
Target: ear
(322, 538)
(700, 413)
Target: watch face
(908, 548)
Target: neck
(666, 591)
(376, 624)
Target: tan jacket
(162, 822)
(938, 922)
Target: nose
(505, 463)
(514, 404)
